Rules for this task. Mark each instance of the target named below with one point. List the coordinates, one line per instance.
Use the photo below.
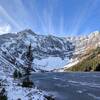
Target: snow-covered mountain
(49, 52)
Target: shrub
(49, 97)
(97, 67)
(27, 83)
(3, 95)
(17, 74)
(18, 99)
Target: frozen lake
(69, 85)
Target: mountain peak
(94, 34)
(26, 31)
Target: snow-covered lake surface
(69, 86)
(51, 63)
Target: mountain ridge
(47, 47)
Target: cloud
(48, 13)
(83, 16)
(61, 25)
(5, 29)
(5, 14)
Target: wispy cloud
(5, 29)
(83, 16)
(41, 20)
(8, 17)
(49, 16)
(37, 18)
(48, 21)
(61, 24)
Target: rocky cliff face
(49, 52)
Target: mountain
(89, 59)
(88, 62)
(49, 52)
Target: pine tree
(17, 74)
(29, 59)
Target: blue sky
(58, 17)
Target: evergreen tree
(97, 67)
(29, 59)
(17, 74)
